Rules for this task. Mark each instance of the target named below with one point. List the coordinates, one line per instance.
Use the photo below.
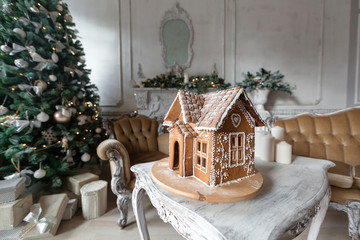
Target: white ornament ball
(80, 95)
(3, 110)
(40, 173)
(59, 8)
(43, 117)
(68, 18)
(54, 57)
(85, 157)
(21, 63)
(20, 32)
(98, 130)
(52, 78)
(5, 48)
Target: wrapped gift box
(72, 195)
(11, 189)
(12, 213)
(70, 209)
(74, 183)
(94, 199)
(52, 206)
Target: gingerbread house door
(176, 155)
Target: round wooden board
(192, 188)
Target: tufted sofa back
(137, 134)
(333, 137)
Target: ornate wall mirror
(176, 39)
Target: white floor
(105, 227)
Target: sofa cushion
(356, 177)
(341, 175)
(342, 196)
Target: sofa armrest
(113, 150)
(163, 143)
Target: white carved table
(291, 196)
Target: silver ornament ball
(85, 157)
(40, 173)
(5, 48)
(52, 78)
(20, 32)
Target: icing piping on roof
(168, 122)
(228, 108)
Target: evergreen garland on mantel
(196, 83)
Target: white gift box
(12, 213)
(94, 199)
(70, 209)
(52, 206)
(74, 183)
(11, 189)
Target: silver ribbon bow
(53, 14)
(69, 156)
(18, 48)
(27, 21)
(58, 45)
(37, 89)
(23, 173)
(41, 224)
(72, 70)
(21, 124)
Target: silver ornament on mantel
(98, 130)
(52, 78)
(21, 63)
(43, 117)
(3, 110)
(5, 48)
(20, 32)
(54, 57)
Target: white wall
(307, 40)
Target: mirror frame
(177, 12)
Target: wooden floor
(105, 227)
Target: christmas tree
(49, 114)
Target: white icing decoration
(235, 119)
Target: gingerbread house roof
(184, 128)
(209, 110)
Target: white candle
(267, 148)
(186, 78)
(258, 135)
(283, 152)
(278, 133)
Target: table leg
(319, 217)
(138, 208)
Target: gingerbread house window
(237, 141)
(201, 154)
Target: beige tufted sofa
(132, 139)
(334, 137)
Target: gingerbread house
(212, 135)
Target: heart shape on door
(236, 119)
